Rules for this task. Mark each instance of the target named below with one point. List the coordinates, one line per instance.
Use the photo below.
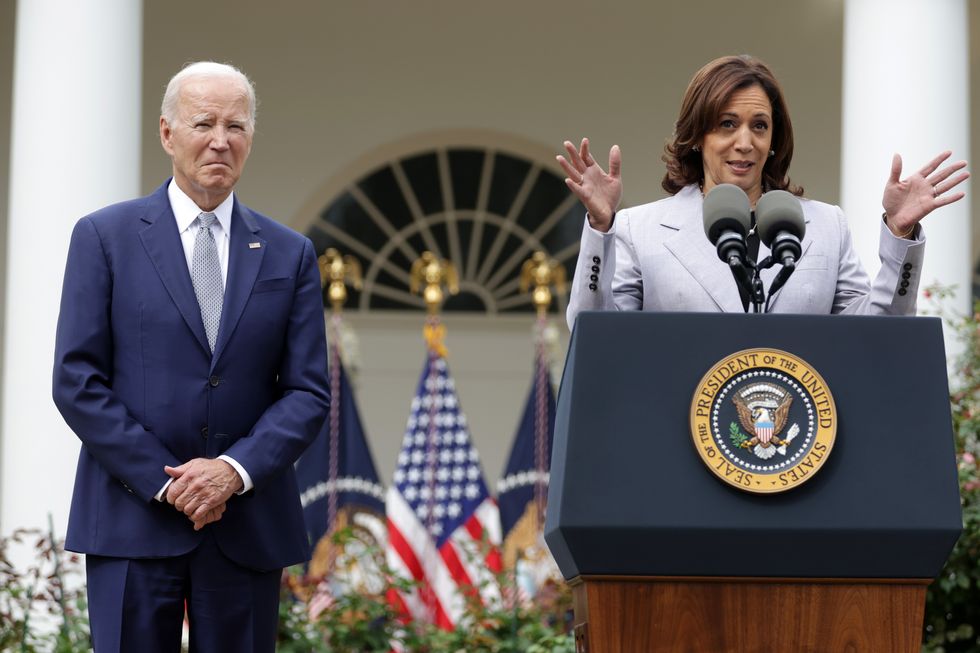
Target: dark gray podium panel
(630, 495)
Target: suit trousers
(137, 605)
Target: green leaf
(735, 435)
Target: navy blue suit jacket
(135, 380)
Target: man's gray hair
(171, 97)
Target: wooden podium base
(619, 614)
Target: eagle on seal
(763, 410)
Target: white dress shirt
(186, 212)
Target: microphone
(727, 219)
(779, 221)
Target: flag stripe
(489, 518)
(474, 528)
(454, 565)
(420, 604)
(494, 560)
(404, 551)
(433, 572)
(397, 602)
(480, 553)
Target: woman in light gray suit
(734, 128)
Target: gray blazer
(656, 257)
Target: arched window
(484, 209)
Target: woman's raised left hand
(907, 201)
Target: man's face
(210, 138)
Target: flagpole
(543, 272)
(335, 270)
(432, 327)
(433, 273)
(540, 424)
(333, 358)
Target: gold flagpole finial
(335, 270)
(433, 273)
(543, 272)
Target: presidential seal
(763, 420)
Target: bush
(42, 608)
(314, 616)
(952, 618)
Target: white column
(75, 146)
(906, 91)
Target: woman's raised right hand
(600, 192)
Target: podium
(663, 555)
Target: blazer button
(215, 380)
(593, 287)
(596, 260)
(906, 275)
(204, 433)
(905, 283)
(593, 277)
(902, 291)
(907, 266)
(595, 268)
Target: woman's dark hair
(707, 95)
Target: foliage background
(952, 618)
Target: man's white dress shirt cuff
(246, 479)
(159, 496)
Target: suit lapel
(245, 259)
(693, 250)
(162, 244)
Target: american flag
(443, 526)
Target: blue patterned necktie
(206, 277)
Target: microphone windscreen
(726, 207)
(778, 211)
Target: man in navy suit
(190, 361)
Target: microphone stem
(789, 265)
(757, 293)
(749, 281)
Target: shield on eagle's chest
(764, 430)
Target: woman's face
(735, 150)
